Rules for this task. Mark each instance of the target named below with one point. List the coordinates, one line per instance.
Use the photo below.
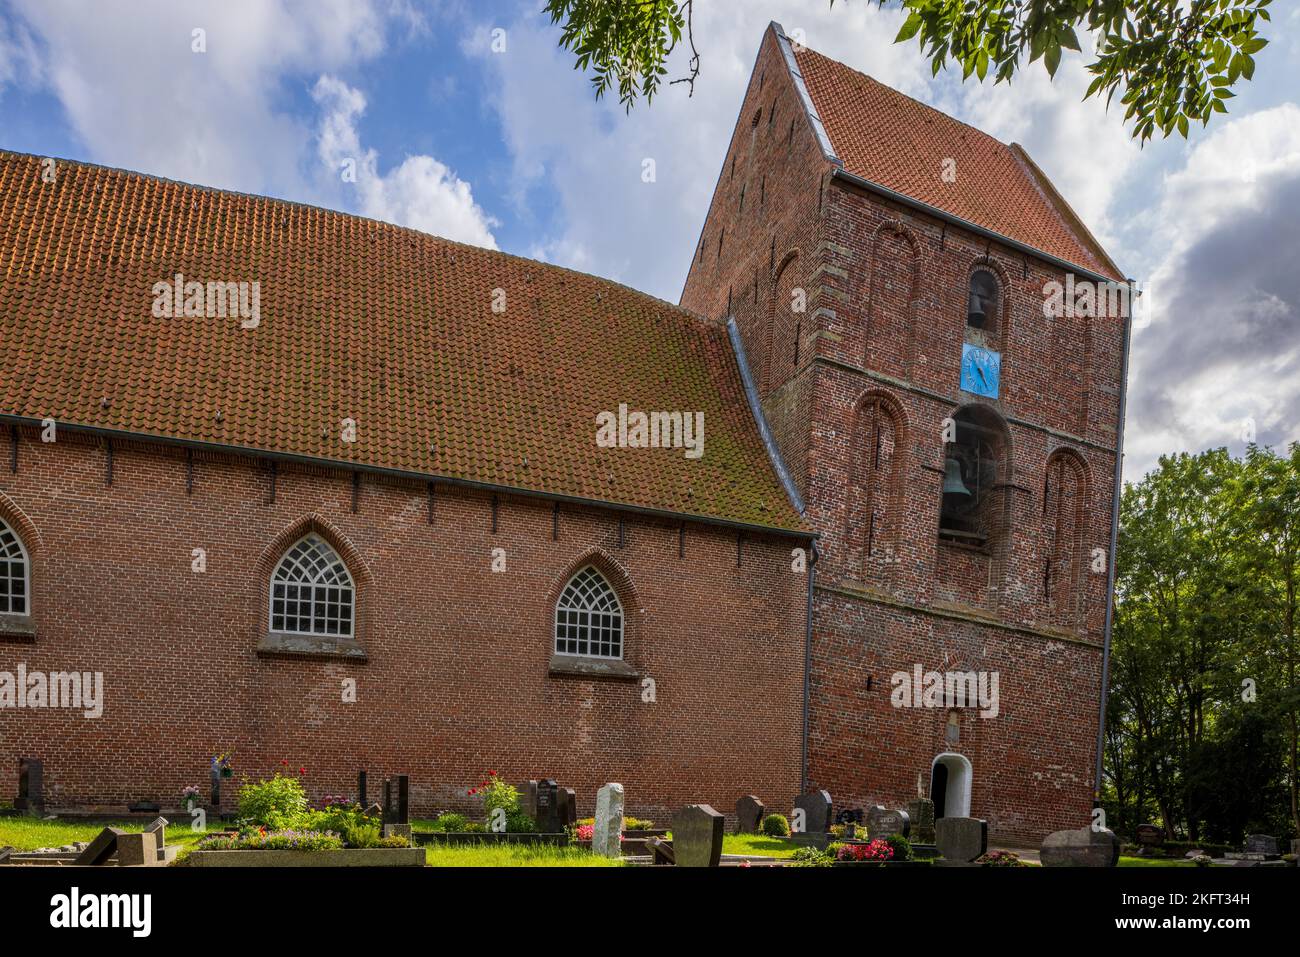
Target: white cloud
(421, 193)
(137, 95)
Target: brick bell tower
(953, 424)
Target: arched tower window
(589, 617)
(982, 301)
(15, 573)
(311, 591)
(975, 461)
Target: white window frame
(6, 549)
(349, 584)
(578, 615)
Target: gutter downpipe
(814, 553)
(1114, 543)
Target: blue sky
(502, 144)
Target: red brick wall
(457, 679)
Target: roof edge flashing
(809, 109)
(756, 407)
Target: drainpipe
(813, 554)
(1114, 542)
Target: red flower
(492, 773)
(473, 791)
(302, 770)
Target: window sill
(592, 667)
(277, 644)
(18, 629)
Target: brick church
(286, 484)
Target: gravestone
(528, 798)
(961, 839)
(31, 784)
(1148, 835)
(138, 849)
(398, 830)
(216, 786)
(816, 806)
(661, 851)
(361, 788)
(157, 827)
(607, 835)
(1265, 844)
(568, 799)
(396, 800)
(749, 814)
(1085, 847)
(921, 814)
(101, 848)
(697, 836)
(882, 822)
(548, 807)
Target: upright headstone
(816, 807)
(361, 788)
(961, 839)
(885, 823)
(921, 813)
(548, 807)
(528, 798)
(607, 835)
(1084, 847)
(396, 800)
(157, 828)
(31, 785)
(749, 814)
(568, 799)
(697, 836)
(216, 787)
(1265, 844)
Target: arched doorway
(950, 779)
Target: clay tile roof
(359, 320)
(900, 143)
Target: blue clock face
(981, 370)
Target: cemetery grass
(29, 833)
(512, 855)
(757, 845)
(1126, 861)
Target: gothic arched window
(15, 590)
(975, 462)
(311, 591)
(589, 617)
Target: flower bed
(341, 857)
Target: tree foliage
(1202, 717)
(1173, 62)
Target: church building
(283, 485)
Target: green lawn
(29, 833)
(512, 855)
(757, 845)
(1126, 861)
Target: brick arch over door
(878, 453)
(785, 325)
(1065, 509)
(362, 579)
(894, 277)
(619, 580)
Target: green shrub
(812, 857)
(902, 847)
(273, 841)
(279, 803)
(775, 825)
(362, 835)
(451, 822)
(517, 822)
(393, 840)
